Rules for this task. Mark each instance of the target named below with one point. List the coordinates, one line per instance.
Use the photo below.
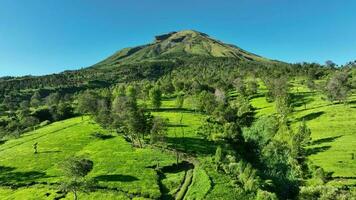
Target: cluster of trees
(264, 158)
(118, 109)
(35, 112)
(338, 86)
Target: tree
(24, 105)
(130, 119)
(158, 130)
(131, 92)
(119, 90)
(156, 97)
(240, 86)
(218, 157)
(251, 87)
(300, 140)
(265, 195)
(75, 169)
(338, 87)
(53, 99)
(103, 115)
(36, 99)
(206, 102)
(180, 101)
(330, 63)
(61, 111)
(220, 96)
(87, 102)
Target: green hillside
(124, 172)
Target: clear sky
(48, 36)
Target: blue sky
(48, 36)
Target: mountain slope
(178, 45)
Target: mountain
(175, 45)
(187, 50)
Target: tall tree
(338, 87)
(156, 97)
(36, 99)
(75, 169)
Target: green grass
(172, 182)
(200, 186)
(333, 131)
(116, 163)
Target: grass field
(333, 128)
(129, 171)
(37, 176)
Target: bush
(265, 195)
(325, 193)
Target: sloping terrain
(118, 167)
(333, 131)
(124, 172)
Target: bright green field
(333, 128)
(116, 163)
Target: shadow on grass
(177, 125)
(315, 150)
(163, 188)
(41, 152)
(101, 136)
(352, 102)
(325, 140)
(115, 178)
(198, 146)
(301, 99)
(10, 177)
(311, 116)
(4, 169)
(182, 166)
(183, 110)
(2, 142)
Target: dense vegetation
(181, 126)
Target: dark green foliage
(300, 140)
(156, 97)
(130, 119)
(179, 101)
(53, 99)
(252, 87)
(87, 102)
(265, 195)
(77, 167)
(324, 192)
(338, 87)
(240, 86)
(36, 99)
(159, 130)
(206, 102)
(61, 111)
